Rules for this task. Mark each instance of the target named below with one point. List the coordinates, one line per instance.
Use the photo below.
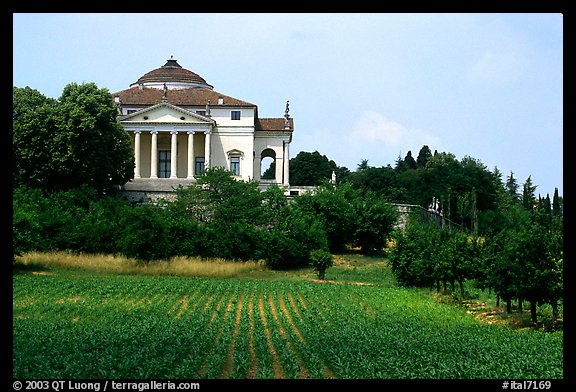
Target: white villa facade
(179, 126)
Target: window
(130, 111)
(235, 115)
(235, 165)
(164, 164)
(201, 112)
(199, 168)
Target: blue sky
(361, 86)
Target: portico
(179, 126)
(184, 159)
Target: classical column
(174, 154)
(137, 154)
(190, 155)
(154, 155)
(286, 163)
(207, 150)
(257, 167)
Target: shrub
(144, 233)
(321, 261)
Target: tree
(528, 196)
(381, 180)
(310, 169)
(321, 261)
(413, 258)
(502, 273)
(375, 219)
(363, 165)
(32, 131)
(331, 205)
(217, 197)
(75, 140)
(423, 155)
(512, 188)
(556, 204)
(409, 161)
(539, 273)
(274, 205)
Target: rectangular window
(164, 164)
(235, 165)
(199, 168)
(130, 111)
(235, 115)
(201, 112)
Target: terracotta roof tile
(273, 124)
(183, 97)
(171, 74)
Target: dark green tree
(331, 205)
(512, 188)
(310, 169)
(409, 161)
(217, 197)
(363, 165)
(32, 133)
(321, 261)
(423, 155)
(375, 220)
(556, 204)
(528, 194)
(75, 140)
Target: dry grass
(177, 266)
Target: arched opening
(268, 165)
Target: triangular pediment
(164, 113)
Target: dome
(173, 75)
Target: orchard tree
(321, 260)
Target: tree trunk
(520, 301)
(554, 313)
(321, 275)
(497, 300)
(452, 285)
(508, 305)
(533, 311)
(461, 284)
(437, 285)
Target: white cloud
(374, 127)
(494, 67)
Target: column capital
(190, 132)
(153, 132)
(173, 132)
(138, 132)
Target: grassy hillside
(119, 320)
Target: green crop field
(84, 324)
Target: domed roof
(173, 75)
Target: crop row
(152, 327)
